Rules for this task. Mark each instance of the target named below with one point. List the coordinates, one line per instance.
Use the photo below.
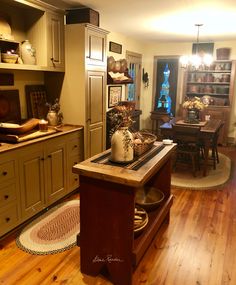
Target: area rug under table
(53, 232)
(183, 178)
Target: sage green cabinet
(83, 95)
(9, 193)
(36, 174)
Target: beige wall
(151, 49)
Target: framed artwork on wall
(114, 95)
(115, 47)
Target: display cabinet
(215, 86)
(42, 25)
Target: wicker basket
(140, 148)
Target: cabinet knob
(75, 146)
(4, 173)
(76, 179)
(42, 159)
(49, 156)
(75, 162)
(7, 219)
(6, 197)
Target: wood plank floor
(198, 247)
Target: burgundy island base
(107, 199)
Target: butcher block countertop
(134, 174)
(38, 136)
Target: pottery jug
(52, 118)
(122, 145)
(28, 53)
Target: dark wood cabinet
(215, 87)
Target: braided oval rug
(52, 232)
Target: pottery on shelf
(28, 53)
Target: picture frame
(114, 95)
(115, 47)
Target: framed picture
(203, 48)
(114, 47)
(114, 95)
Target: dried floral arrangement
(56, 108)
(194, 103)
(120, 116)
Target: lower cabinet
(40, 174)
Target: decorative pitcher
(52, 118)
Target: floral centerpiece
(194, 106)
(194, 103)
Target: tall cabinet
(215, 86)
(83, 96)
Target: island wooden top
(119, 174)
(58, 131)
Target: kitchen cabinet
(9, 193)
(83, 97)
(43, 26)
(37, 173)
(215, 86)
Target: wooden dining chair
(188, 146)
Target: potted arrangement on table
(193, 106)
(121, 137)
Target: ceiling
(167, 20)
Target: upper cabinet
(42, 25)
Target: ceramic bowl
(9, 57)
(149, 198)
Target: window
(160, 66)
(133, 90)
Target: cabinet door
(32, 179)
(96, 112)
(96, 47)
(55, 40)
(55, 165)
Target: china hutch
(215, 86)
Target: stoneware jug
(122, 145)
(28, 53)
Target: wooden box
(83, 15)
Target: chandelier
(200, 59)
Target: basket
(140, 148)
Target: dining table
(208, 131)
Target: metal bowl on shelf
(149, 198)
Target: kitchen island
(107, 199)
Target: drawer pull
(4, 173)
(75, 146)
(7, 219)
(76, 179)
(6, 197)
(42, 158)
(49, 156)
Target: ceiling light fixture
(197, 60)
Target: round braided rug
(53, 232)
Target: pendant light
(197, 60)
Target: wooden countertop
(121, 175)
(62, 130)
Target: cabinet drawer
(7, 171)
(73, 179)
(7, 194)
(8, 219)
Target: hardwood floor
(198, 247)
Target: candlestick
(43, 125)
